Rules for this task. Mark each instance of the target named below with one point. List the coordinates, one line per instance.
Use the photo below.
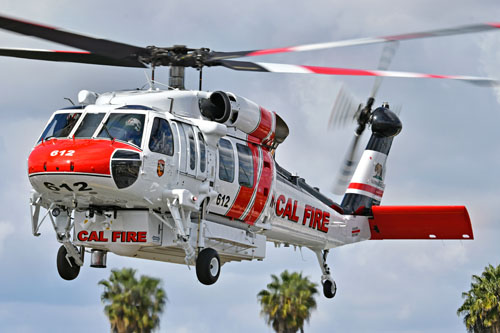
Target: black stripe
(69, 173)
(99, 46)
(239, 65)
(83, 58)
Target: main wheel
(66, 271)
(329, 288)
(208, 266)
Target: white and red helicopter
(190, 177)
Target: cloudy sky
(447, 153)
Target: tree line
(135, 304)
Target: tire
(208, 266)
(329, 288)
(66, 271)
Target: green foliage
(288, 302)
(481, 308)
(132, 305)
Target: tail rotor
(344, 111)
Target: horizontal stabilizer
(420, 222)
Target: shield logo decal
(161, 168)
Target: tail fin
(367, 184)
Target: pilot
(71, 120)
(133, 126)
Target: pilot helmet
(134, 123)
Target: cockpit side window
(60, 126)
(89, 124)
(161, 140)
(125, 127)
(226, 161)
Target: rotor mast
(176, 77)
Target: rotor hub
(177, 55)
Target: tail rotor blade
(343, 110)
(345, 174)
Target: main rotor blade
(301, 69)
(465, 29)
(98, 46)
(386, 57)
(69, 56)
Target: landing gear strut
(329, 285)
(208, 266)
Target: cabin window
(203, 154)
(60, 126)
(126, 127)
(88, 125)
(226, 161)
(245, 161)
(192, 149)
(162, 140)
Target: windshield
(125, 127)
(60, 126)
(88, 125)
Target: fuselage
(129, 150)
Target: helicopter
(190, 176)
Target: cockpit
(119, 124)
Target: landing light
(55, 212)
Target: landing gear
(329, 285)
(66, 265)
(329, 288)
(208, 266)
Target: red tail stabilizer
(420, 222)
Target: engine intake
(265, 126)
(217, 107)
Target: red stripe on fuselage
(366, 188)
(263, 188)
(265, 125)
(245, 193)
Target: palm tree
(132, 305)
(481, 309)
(288, 301)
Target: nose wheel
(208, 266)
(329, 285)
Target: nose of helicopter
(89, 157)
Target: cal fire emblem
(161, 168)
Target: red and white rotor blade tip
(301, 69)
(465, 29)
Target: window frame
(221, 160)
(245, 152)
(172, 141)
